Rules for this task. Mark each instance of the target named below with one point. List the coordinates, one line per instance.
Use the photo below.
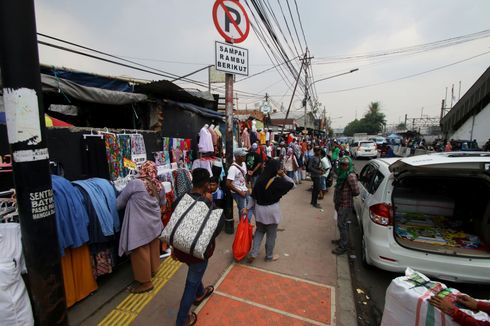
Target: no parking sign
(231, 20)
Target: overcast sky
(178, 36)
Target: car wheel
(365, 258)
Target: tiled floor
(249, 296)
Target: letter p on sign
(231, 20)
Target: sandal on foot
(207, 292)
(191, 319)
(133, 285)
(141, 289)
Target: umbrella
(53, 122)
(50, 121)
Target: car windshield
(367, 144)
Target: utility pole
(306, 62)
(22, 96)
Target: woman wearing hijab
(142, 226)
(270, 187)
(345, 189)
(290, 163)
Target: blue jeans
(242, 203)
(193, 289)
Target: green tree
(372, 123)
(352, 128)
(374, 120)
(401, 126)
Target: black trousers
(316, 190)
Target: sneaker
(316, 206)
(274, 258)
(339, 251)
(336, 241)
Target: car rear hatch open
(441, 204)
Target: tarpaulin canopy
(197, 109)
(89, 94)
(89, 79)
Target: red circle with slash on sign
(231, 20)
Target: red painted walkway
(251, 296)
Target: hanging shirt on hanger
(205, 141)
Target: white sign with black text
(231, 59)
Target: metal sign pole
(229, 223)
(22, 95)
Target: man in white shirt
(236, 180)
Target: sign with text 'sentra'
(231, 59)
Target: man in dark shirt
(316, 172)
(194, 291)
(253, 160)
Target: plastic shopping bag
(243, 239)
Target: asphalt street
(370, 283)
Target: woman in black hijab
(270, 187)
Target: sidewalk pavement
(307, 285)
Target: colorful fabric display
(125, 146)
(138, 149)
(114, 155)
(182, 183)
(160, 158)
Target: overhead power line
(407, 76)
(407, 49)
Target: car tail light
(381, 214)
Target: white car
(378, 140)
(428, 212)
(365, 148)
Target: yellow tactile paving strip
(133, 304)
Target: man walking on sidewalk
(316, 172)
(345, 189)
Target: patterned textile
(170, 197)
(138, 150)
(148, 173)
(160, 158)
(183, 229)
(102, 262)
(125, 146)
(114, 156)
(182, 183)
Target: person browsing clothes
(142, 226)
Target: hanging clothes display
(125, 146)
(245, 137)
(182, 183)
(160, 158)
(214, 136)
(205, 140)
(114, 155)
(78, 279)
(205, 164)
(138, 149)
(103, 198)
(71, 215)
(15, 306)
(94, 157)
